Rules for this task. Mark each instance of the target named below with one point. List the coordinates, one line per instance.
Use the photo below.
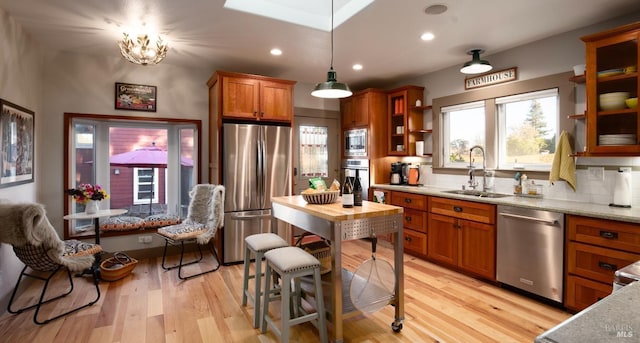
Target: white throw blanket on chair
(207, 207)
(22, 224)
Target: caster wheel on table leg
(396, 327)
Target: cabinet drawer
(479, 212)
(409, 200)
(597, 263)
(415, 242)
(607, 233)
(582, 293)
(415, 220)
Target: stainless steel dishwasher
(530, 252)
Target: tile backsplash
(588, 188)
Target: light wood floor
(152, 305)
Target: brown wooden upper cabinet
(246, 96)
(612, 59)
(355, 111)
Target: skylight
(314, 14)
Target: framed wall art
(134, 97)
(17, 138)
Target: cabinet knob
(407, 218)
(457, 209)
(408, 239)
(407, 200)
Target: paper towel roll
(419, 148)
(622, 189)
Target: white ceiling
(384, 36)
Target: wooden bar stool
(290, 264)
(257, 244)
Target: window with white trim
(145, 185)
(463, 126)
(527, 129)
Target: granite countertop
(568, 207)
(615, 318)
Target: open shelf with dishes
(405, 120)
(612, 122)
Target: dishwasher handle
(539, 220)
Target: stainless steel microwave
(355, 142)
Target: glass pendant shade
(476, 65)
(140, 50)
(331, 89)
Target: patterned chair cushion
(158, 220)
(122, 223)
(38, 258)
(183, 231)
(74, 247)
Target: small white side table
(96, 218)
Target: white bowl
(613, 101)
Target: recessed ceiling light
(435, 9)
(276, 52)
(427, 36)
(357, 66)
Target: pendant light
(476, 65)
(331, 89)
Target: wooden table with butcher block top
(336, 224)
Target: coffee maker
(398, 173)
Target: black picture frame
(17, 139)
(134, 97)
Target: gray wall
(85, 84)
(20, 83)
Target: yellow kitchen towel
(563, 166)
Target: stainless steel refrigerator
(256, 165)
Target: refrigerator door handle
(259, 170)
(263, 166)
(248, 217)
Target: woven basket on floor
(117, 267)
(317, 247)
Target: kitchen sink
(476, 193)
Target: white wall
(20, 83)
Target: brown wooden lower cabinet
(459, 242)
(415, 242)
(414, 221)
(596, 248)
(597, 263)
(478, 248)
(582, 293)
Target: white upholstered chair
(204, 218)
(36, 243)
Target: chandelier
(140, 50)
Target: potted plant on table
(89, 195)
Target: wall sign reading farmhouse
(491, 78)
